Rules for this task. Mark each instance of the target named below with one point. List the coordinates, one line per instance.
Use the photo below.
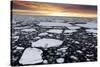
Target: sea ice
(31, 56)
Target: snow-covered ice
(46, 43)
(31, 56)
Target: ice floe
(54, 24)
(31, 56)
(28, 30)
(57, 31)
(73, 27)
(20, 48)
(91, 30)
(46, 43)
(74, 57)
(60, 60)
(43, 34)
(88, 25)
(70, 31)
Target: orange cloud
(52, 9)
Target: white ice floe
(45, 61)
(63, 49)
(88, 25)
(57, 31)
(37, 38)
(54, 24)
(89, 55)
(31, 56)
(28, 30)
(74, 57)
(79, 51)
(70, 31)
(60, 60)
(46, 43)
(43, 34)
(77, 42)
(18, 28)
(21, 27)
(15, 37)
(50, 35)
(20, 48)
(73, 27)
(91, 30)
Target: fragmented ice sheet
(46, 43)
(31, 56)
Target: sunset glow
(53, 9)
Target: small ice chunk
(16, 37)
(79, 51)
(20, 48)
(57, 31)
(28, 30)
(73, 57)
(60, 60)
(45, 61)
(63, 49)
(90, 55)
(70, 31)
(74, 27)
(37, 38)
(58, 53)
(50, 35)
(43, 34)
(88, 59)
(76, 42)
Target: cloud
(41, 8)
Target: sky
(53, 9)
